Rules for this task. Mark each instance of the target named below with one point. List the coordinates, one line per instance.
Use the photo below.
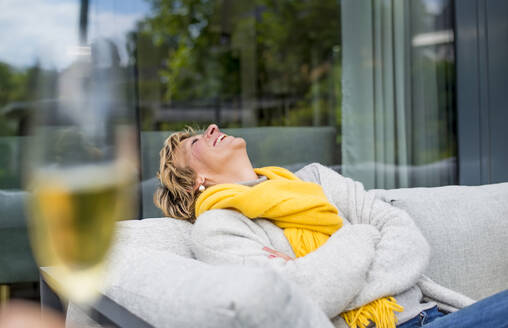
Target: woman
(362, 264)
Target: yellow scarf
(308, 219)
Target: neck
(246, 174)
(239, 171)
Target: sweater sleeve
(331, 275)
(401, 255)
(447, 299)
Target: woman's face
(213, 155)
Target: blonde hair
(176, 196)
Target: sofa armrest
(168, 290)
(105, 311)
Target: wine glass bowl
(82, 170)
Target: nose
(211, 130)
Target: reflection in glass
(399, 114)
(433, 112)
(239, 63)
(267, 71)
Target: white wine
(73, 215)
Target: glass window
(399, 113)
(268, 71)
(364, 87)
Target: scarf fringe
(380, 312)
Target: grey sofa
(153, 274)
(16, 260)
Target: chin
(240, 142)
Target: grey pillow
(171, 291)
(467, 228)
(168, 290)
(164, 234)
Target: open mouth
(219, 139)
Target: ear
(200, 180)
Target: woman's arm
(331, 275)
(402, 254)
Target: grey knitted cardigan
(378, 252)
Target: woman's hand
(275, 254)
(22, 314)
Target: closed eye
(194, 141)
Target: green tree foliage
(13, 88)
(289, 49)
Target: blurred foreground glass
(83, 168)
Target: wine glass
(83, 168)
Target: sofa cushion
(16, 260)
(148, 188)
(164, 234)
(467, 228)
(12, 208)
